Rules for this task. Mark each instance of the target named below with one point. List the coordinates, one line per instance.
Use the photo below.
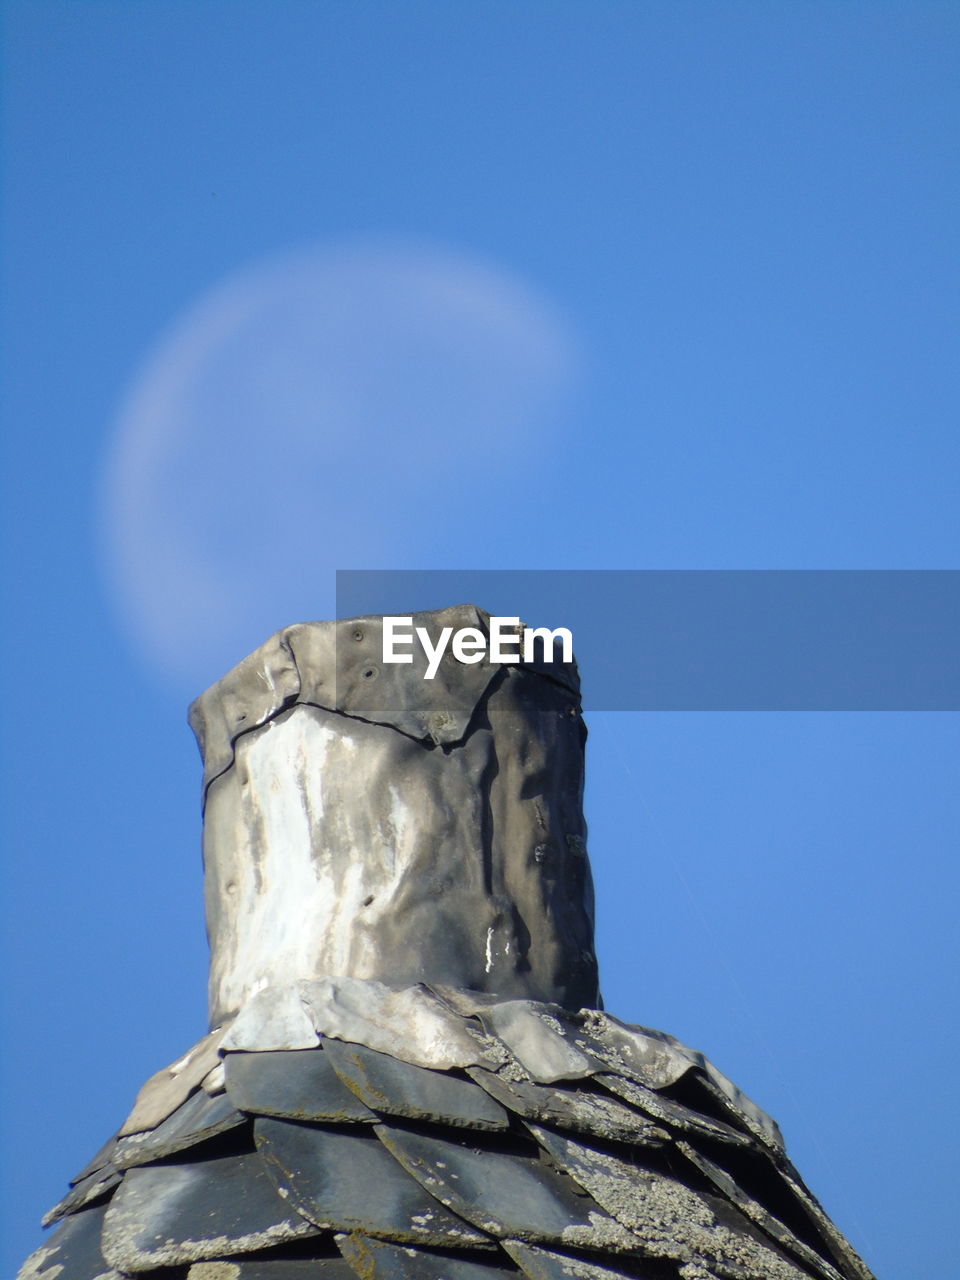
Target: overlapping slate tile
(346, 1180)
(582, 1110)
(273, 1268)
(539, 1263)
(401, 1089)
(378, 1260)
(846, 1257)
(659, 1061)
(537, 1038)
(393, 1163)
(671, 1218)
(103, 1157)
(169, 1087)
(703, 1095)
(169, 1214)
(295, 1084)
(198, 1119)
(664, 1109)
(90, 1189)
(759, 1214)
(505, 1192)
(72, 1252)
(648, 1056)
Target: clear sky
(291, 287)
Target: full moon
(342, 407)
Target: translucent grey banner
(716, 640)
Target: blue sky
(293, 287)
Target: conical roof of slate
(539, 1143)
(340, 1126)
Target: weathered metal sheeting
(505, 1193)
(667, 1111)
(272, 1268)
(759, 1214)
(553, 1043)
(201, 1117)
(164, 1215)
(401, 1089)
(345, 1180)
(377, 1260)
(300, 1084)
(167, 1089)
(214, 1082)
(86, 1191)
(326, 664)
(465, 864)
(669, 1218)
(72, 1252)
(534, 1034)
(272, 1018)
(546, 1264)
(409, 1023)
(577, 1109)
(652, 1057)
(322, 663)
(440, 1029)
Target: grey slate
(758, 1213)
(272, 1268)
(570, 1108)
(298, 1084)
(505, 1193)
(670, 1218)
(168, 1214)
(540, 1263)
(345, 1180)
(199, 1118)
(846, 1258)
(378, 1260)
(73, 1251)
(667, 1111)
(168, 1088)
(97, 1162)
(401, 1089)
(94, 1187)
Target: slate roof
(469, 1138)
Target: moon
(362, 405)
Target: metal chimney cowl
(362, 821)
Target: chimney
(363, 821)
